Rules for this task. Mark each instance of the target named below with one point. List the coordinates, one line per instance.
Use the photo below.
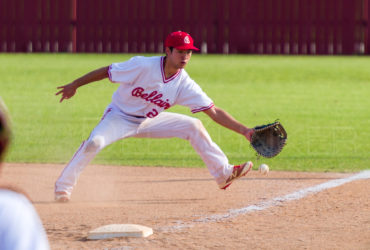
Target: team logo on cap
(186, 40)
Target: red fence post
(73, 25)
(348, 27)
(367, 26)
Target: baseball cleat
(238, 171)
(62, 196)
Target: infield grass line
(278, 201)
(322, 101)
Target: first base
(119, 230)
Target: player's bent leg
(167, 125)
(69, 176)
(111, 128)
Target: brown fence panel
(218, 26)
(35, 26)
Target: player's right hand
(249, 134)
(67, 91)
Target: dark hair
(171, 48)
(4, 132)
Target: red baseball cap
(180, 40)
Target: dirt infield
(179, 203)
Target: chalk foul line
(232, 213)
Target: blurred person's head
(4, 130)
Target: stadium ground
(187, 211)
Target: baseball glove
(268, 140)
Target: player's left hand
(268, 140)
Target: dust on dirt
(175, 201)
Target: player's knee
(94, 144)
(195, 124)
(196, 127)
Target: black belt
(136, 116)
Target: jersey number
(152, 114)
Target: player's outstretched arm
(70, 89)
(225, 119)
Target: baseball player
(20, 225)
(147, 87)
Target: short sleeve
(192, 96)
(125, 72)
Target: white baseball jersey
(20, 226)
(145, 91)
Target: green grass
(324, 103)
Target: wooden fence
(218, 26)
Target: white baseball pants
(115, 126)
